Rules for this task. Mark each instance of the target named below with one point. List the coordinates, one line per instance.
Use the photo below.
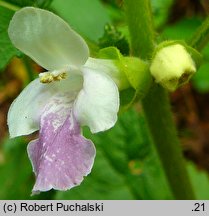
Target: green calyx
(135, 77)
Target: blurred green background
(127, 165)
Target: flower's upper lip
(47, 39)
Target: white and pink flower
(73, 93)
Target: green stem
(140, 26)
(9, 6)
(201, 37)
(159, 118)
(156, 103)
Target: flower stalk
(156, 103)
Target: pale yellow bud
(172, 66)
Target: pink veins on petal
(61, 156)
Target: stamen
(48, 77)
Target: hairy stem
(140, 26)
(156, 103)
(159, 118)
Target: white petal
(98, 102)
(110, 68)
(47, 39)
(25, 111)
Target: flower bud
(172, 66)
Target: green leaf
(181, 30)
(35, 3)
(200, 182)
(161, 9)
(17, 178)
(126, 165)
(86, 17)
(126, 98)
(7, 51)
(113, 37)
(201, 79)
(15, 181)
